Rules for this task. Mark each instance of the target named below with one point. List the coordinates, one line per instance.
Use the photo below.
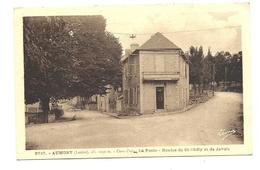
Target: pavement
(209, 123)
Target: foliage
(220, 62)
(46, 58)
(97, 64)
(57, 112)
(228, 67)
(68, 56)
(196, 57)
(223, 67)
(208, 68)
(234, 68)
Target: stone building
(109, 102)
(155, 77)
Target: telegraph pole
(225, 77)
(132, 36)
(213, 78)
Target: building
(109, 102)
(155, 77)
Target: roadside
(194, 101)
(209, 123)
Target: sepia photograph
(152, 77)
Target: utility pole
(132, 36)
(225, 77)
(213, 78)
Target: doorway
(159, 98)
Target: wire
(200, 30)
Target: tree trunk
(45, 108)
(199, 89)
(83, 106)
(194, 89)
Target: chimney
(133, 47)
(127, 52)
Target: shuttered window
(131, 96)
(126, 96)
(137, 95)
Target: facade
(109, 102)
(155, 77)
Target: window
(136, 67)
(131, 96)
(187, 97)
(131, 69)
(137, 95)
(185, 70)
(126, 71)
(132, 66)
(126, 96)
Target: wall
(102, 103)
(131, 83)
(172, 96)
(176, 92)
(109, 102)
(159, 61)
(184, 83)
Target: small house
(155, 77)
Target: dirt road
(209, 123)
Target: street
(209, 123)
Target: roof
(158, 41)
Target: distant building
(109, 102)
(155, 77)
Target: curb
(115, 115)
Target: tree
(196, 57)
(207, 68)
(220, 63)
(235, 67)
(68, 56)
(97, 64)
(47, 60)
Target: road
(209, 123)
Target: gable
(158, 41)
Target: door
(159, 98)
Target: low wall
(38, 118)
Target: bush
(57, 112)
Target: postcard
(133, 81)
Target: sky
(214, 26)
